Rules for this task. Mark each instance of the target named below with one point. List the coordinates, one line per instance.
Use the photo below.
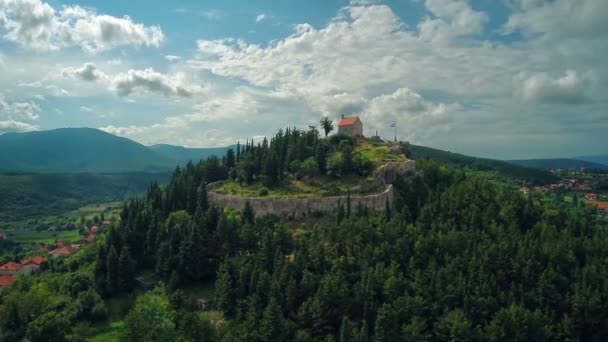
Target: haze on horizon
(504, 79)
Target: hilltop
(301, 164)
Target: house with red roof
(6, 281)
(591, 197)
(60, 243)
(35, 260)
(10, 268)
(94, 230)
(63, 251)
(31, 265)
(351, 125)
(601, 206)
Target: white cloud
(153, 81)
(172, 58)
(86, 109)
(16, 126)
(26, 110)
(451, 19)
(559, 19)
(19, 110)
(571, 88)
(88, 72)
(260, 17)
(37, 25)
(409, 110)
(146, 80)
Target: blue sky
(502, 79)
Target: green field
(33, 237)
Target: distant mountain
(182, 154)
(558, 163)
(531, 175)
(77, 150)
(599, 159)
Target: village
(580, 184)
(38, 255)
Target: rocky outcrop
(299, 207)
(389, 172)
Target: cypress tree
(348, 208)
(112, 271)
(126, 270)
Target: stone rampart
(299, 207)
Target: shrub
(335, 164)
(309, 167)
(263, 192)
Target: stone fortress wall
(301, 207)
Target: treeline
(505, 169)
(297, 152)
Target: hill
(482, 164)
(599, 159)
(29, 196)
(180, 154)
(77, 150)
(558, 163)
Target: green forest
(458, 257)
(29, 195)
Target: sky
(505, 79)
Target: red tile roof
(348, 121)
(90, 238)
(599, 205)
(37, 260)
(67, 250)
(94, 229)
(7, 280)
(11, 266)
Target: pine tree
(348, 206)
(248, 216)
(341, 214)
(224, 291)
(126, 271)
(112, 271)
(202, 201)
(100, 272)
(387, 210)
(272, 324)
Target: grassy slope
(481, 164)
(27, 196)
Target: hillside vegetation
(31, 196)
(300, 164)
(530, 175)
